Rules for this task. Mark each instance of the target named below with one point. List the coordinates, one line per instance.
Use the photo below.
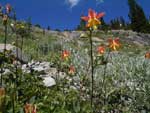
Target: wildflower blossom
(29, 108)
(2, 97)
(114, 44)
(65, 55)
(92, 19)
(2, 92)
(147, 55)
(8, 8)
(101, 50)
(5, 19)
(71, 70)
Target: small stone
(39, 69)
(6, 71)
(49, 81)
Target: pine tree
(138, 19)
(82, 25)
(115, 23)
(103, 25)
(48, 28)
(29, 25)
(122, 22)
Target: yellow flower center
(93, 22)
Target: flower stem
(16, 67)
(21, 48)
(104, 79)
(5, 41)
(13, 102)
(4, 53)
(1, 75)
(92, 68)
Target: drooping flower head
(147, 55)
(2, 91)
(101, 50)
(93, 19)
(2, 97)
(65, 55)
(34, 109)
(114, 44)
(5, 19)
(8, 8)
(71, 70)
(29, 108)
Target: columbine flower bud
(101, 50)
(65, 55)
(71, 70)
(5, 19)
(8, 8)
(2, 96)
(147, 55)
(30, 108)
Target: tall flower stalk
(15, 65)
(114, 45)
(92, 67)
(15, 85)
(104, 78)
(22, 47)
(5, 22)
(20, 30)
(5, 19)
(93, 20)
(5, 41)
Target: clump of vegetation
(99, 77)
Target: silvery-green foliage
(128, 72)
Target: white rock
(46, 64)
(49, 81)
(52, 71)
(62, 75)
(39, 69)
(6, 71)
(37, 63)
(24, 67)
(73, 87)
(32, 61)
(29, 64)
(97, 39)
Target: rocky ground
(49, 73)
(140, 39)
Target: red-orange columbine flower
(8, 8)
(114, 44)
(71, 70)
(101, 50)
(93, 19)
(147, 55)
(29, 108)
(65, 55)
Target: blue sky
(65, 14)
